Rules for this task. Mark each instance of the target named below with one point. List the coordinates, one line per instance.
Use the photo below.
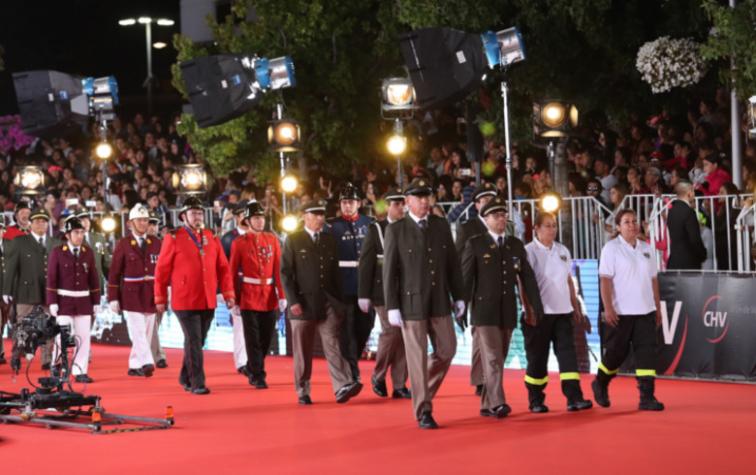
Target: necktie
(500, 241)
(42, 241)
(423, 223)
(142, 243)
(76, 253)
(317, 238)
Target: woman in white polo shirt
(630, 293)
(552, 265)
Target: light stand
(507, 145)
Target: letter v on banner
(669, 328)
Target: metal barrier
(744, 227)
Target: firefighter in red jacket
(73, 292)
(21, 221)
(257, 256)
(192, 263)
(131, 288)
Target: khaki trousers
(157, 351)
(390, 352)
(494, 345)
(302, 339)
(426, 374)
(476, 368)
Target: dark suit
(490, 273)
(5, 309)
(421, 275)
(686, 249)
(370, 286)
(471, 228)
(310, 277)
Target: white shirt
(631, 271)
(74, 249)
(496, 237)
(416, 219)
(36, 238)
(312, 233)
(552, 267)
(241, 231)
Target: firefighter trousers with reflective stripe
(633, 331)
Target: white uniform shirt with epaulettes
(552, 267)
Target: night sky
(82, 37)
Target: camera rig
(54, 403)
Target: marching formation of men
(331, 279)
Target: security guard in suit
(158, 354)
(131, 288)
(472, 227)
(73, 292)
(311, 281)
(491, 264)
(26, 274)
(5, 308)
(350, 230)
(227, 240)
(370, 292)
(421, 276)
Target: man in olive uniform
(310, 276)
(491, 265)
(421, 276)
(472, 227)
(5, 308)
(370, 292)
(25, 276)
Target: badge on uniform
(486, 256)
(153, 258)
(86, 267)
(516, 263)
(564, 258)
(647, 255)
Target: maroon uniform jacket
(257, 256)
(72, 283)
(131, 280)
(194, 271)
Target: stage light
(503, 48)
(752, 117)
(289, 223)
(289, 183)
(108, 224)
(144, 20)
(159, 45)
(550, 203)
(165, 22)
(284, 136)
(554, 119)
(223, 87)
(104, 150)
(397, 98)
(396, 144)
(30, 180)
(190, 179)
(127, 22)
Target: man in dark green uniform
(25, 277)
(5, 308)
(421, 276)
(491, 265)
(310, 277)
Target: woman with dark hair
(725, 215)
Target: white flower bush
(666, 63)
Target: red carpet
(707, 427)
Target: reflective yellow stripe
(536, 381)
(645, 372)
(569, 376)
(607, 370)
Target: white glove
(54, 310)
(364, 305)
(395, 317)
(459, 308)
(7, 299)
(115, 307)
(95, 309)
(236, 311)
(282, 304)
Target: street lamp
(752, 117)
(147, 22)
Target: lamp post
(147, 22)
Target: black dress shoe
(498, 412)
(426, 421)
(201, 390)
(243, 370)
(148, 369)
(136, 372)
(83, 378)
(478, 389)
(401, 393)
(539, 408)
(2, 359)
(261, 384)
(650, 404)
(161, 364)
(600, 394)
(305, 400)
(348, 391)
(379, 387)
(579, 405)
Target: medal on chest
(265, 253)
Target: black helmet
(349, 192)
(253, 209)
(191, 202)
(71, 224)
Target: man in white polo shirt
(630, 293)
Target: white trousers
(240, 349)
(80, 329)
(141, 326)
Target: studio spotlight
(104, 150)
(289, 223)
(190, 179)
(30, 180)
(554, 119)
(108, 224)
(284, 136)
(550, 203)
(397, 98)
(289, 183)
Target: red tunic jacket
(194, 277)
(72, 284)
(257, 256)
(131, 280)
(13, 232)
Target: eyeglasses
(592, 189)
